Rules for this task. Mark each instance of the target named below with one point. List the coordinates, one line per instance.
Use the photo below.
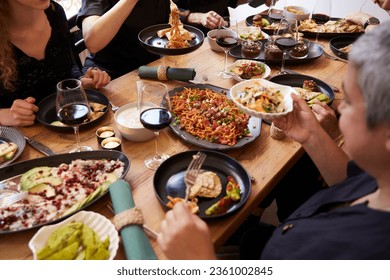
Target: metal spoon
(113, 107)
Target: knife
(39, 146)
(218, 88)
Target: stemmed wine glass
(73, 108)
(227, 38)
(321, 14)
(155, 119)
(286, 38)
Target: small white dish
(100, 224)
(240, 62)
(286, 91)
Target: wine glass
(321, 14)
(155, 119)
(73, 108)
(227, 38)
(286, 38)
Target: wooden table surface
(266, 159)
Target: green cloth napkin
(180, 74)
(134, 239)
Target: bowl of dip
(128, 123)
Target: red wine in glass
(285, 43)
(320, 18)
(73, 114)
(227, 42)
(156, 118)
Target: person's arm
(98, 31)
(364, 20)
(184, 235)
(302, 126)
(21, 113)
(209, 20)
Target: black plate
(169, 179)
(329, 35)
(315, 51)
(337, 43)
(16, 169)
(296, 80)
(47, 110)
(249, 22)
(149, 40)
(11, 134)
(254, 126)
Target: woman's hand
(184, 235)
(96, 78)
(358, 18)
(301, 123)
(209, 20)
(21, 113)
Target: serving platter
(47, 110)
(169, 179)
(254, 126)
(11, 134)
(153, 43)
(315, 51)
(337, 43)
(329, 35)
(13, 171)
(296, 80)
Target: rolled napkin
(164, 73)
(134, 239)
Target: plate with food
(308, 87)
(267, 24)
(47, 115)
(331, 28)
(205, 116)
(12, 144)
(243, 69)
(85, 235)
(152, 39)
(57, 186)
(222, 187)
(341, 46)
(262, 98)
(271, 54)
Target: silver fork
(11, 199)
(193, 171)
(329, 56)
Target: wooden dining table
(266, 160)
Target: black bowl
(338, 43)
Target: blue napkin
(134, 239)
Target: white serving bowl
(128, 123)
(212, 39)
(100, 224)
(286, 91)
(239, 62)
(302, 15)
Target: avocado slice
(93, 195)
(43, 188)
(38, 175)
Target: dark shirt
(38, 78)
(326, 227)
(124, 53)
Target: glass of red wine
(227, 38)
(155, 119)
(72, 108)
(286, 38)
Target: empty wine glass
(321, 11)
(73, 108)
(286, 38)
(227, 38)
(155, 119)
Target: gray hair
(370, 56)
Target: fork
(11, 199)
(193, 171)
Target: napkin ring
(128, 217)
(162, 73)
